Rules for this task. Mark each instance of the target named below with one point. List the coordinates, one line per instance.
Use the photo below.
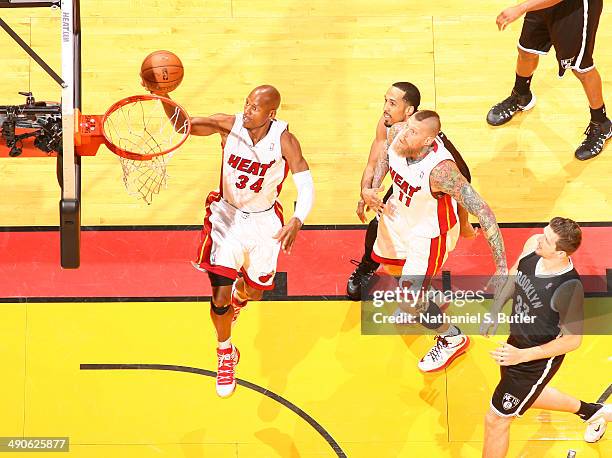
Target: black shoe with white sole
(597, 134)
(507, 108)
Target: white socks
(225, 344)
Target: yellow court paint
(365, 391)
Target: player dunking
(418, 224)
(243, 227)
(547, 300)
(402, 99)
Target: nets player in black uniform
(402, 99)
(570, 26)
(547, 305)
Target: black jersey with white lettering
(532, 304)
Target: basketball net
(144, 135)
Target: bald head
(430, 120)
(268, 95)
(260, 107)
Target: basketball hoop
(144, 131)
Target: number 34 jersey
(252, 175)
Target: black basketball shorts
(520, 385)
(569, 26)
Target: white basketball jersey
(412, 200)
(252, 176)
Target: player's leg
(517, 382)
(242, 293)
(220, 255)
(591, 83)
(517, 390)
(389, 249)
(526, 65)
(599, 130)
(259, 268)
(575, 51)
(596, 415)
(424, 260)
(496, 435)
(243, 290)
(533, 42)
(221, 314)
(511, 391)
(553, 399)
(361, 276)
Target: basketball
(161, 71)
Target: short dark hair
(569, 233)
(412, 96)
(422, 115)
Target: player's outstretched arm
(446, 177)
(214, 124)
(200, 125)
(378, 147)
(292, 152)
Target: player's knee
(393, 270)
(219, 310)
(221, 297)
(496, 422)
(252, 293)
(582, 76)
(527, 56)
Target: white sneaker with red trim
(446, 349)
(226, 371)
(236, 304)
(596, 425)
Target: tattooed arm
(446, 178)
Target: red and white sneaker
(226, 371)
(446, 349)
(236, 304)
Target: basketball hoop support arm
(31, 52)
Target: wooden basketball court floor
(313, 385)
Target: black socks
(598, 114)
(588, 409)
(522, 85)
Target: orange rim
(136, 98)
